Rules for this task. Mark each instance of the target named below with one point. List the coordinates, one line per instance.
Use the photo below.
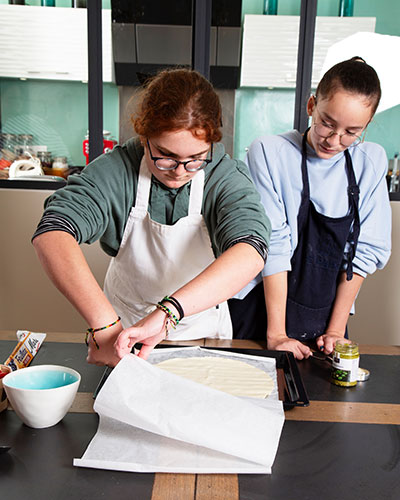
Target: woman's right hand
(284, 343)
(149, 331)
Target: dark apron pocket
(305, 323)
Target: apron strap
(305, 194)
(353, 192)
(196, 193)
(143, 187)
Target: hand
(326, 342)
(284, 343)
(105, 339)
(150, 331)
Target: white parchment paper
(155, 421)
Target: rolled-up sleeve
(96, 202)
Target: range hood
(148, 35)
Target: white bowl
(41, 395)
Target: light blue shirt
(275, 166)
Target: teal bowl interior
(39, 380)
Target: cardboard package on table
(26, 349)
(3, 397)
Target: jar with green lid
(345, 360)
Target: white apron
(154, 260)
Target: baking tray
(291, 389)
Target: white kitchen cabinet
(270, 45)
(49, 43)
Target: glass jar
(60, 166)
(23, 146)
(394, 175)
(345, 361)
(7, 155)
(46, 161)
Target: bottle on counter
(23, 146)
(7, 152)
(60, 166)
(345, 361)
(108, 144)
(394, 177)
(46, 161)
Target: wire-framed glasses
(325, 130)
(164, 163)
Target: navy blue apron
(316, 265)
(318, 258)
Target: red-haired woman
(181, 220)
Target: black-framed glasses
(163, 163)
(347, 139)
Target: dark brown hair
(178, 99)
(354, 76)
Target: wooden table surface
(333, 407)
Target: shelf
(31, 184)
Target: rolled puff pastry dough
(224, 374)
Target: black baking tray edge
(290, 384)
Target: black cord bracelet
(176, 304)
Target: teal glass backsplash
(55, 113)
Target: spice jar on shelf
(60, 166)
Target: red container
(108, 145)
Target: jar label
(344, 370)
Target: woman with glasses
(326, 196)
(182, 221)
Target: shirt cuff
(54, 222)
(255, 241)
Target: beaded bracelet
(92, 331)
(176, 304)
(171, 318)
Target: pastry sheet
(155, 421)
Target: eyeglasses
(163, 163)
(347, 139)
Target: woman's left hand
(326, 342)
(149, 331)
(104, 354)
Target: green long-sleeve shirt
(98, 201)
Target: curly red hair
(179, 99)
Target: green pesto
(98, 201)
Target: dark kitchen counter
(344, 445)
